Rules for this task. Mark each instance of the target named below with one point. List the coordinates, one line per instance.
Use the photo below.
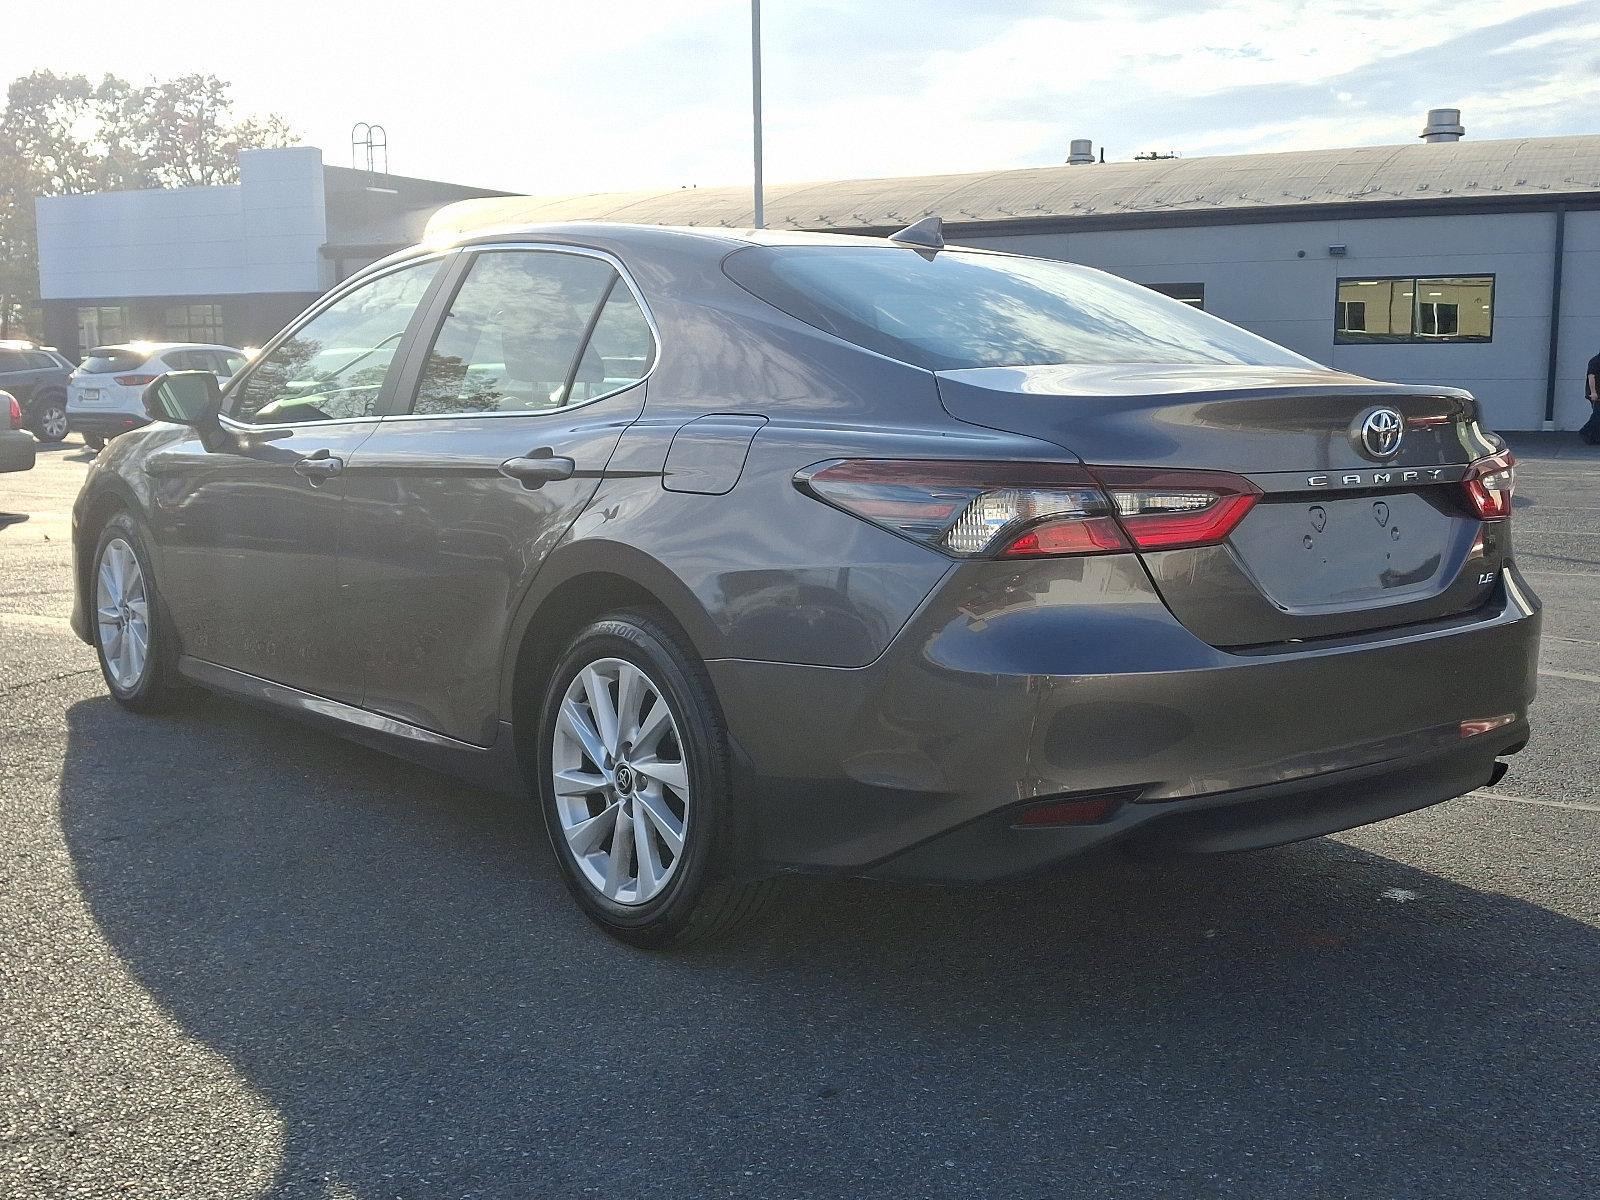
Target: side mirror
(184, 398)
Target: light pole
(755, 101)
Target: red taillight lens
(135, 380)
(974, 509)
(1167, 510)
(1490, 483)
(16, 411)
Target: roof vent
(1080, 150)
(1444, 125)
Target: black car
(37, 377)
(740, 553)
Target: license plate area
(1323, 552)
(89, 395)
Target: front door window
(333, 367)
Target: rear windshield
(103, 360)
(955, 309)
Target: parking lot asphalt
(242, 958)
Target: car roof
(647, 240)
(162, 347)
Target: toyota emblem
(1378, 433)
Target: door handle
(538, 467)
(319, 465)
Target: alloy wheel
(53, 423)
(621, 781)
(122, 611)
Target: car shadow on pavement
(390, 960)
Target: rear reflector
(1030, 510)
(1490, 483)
(1084, 811)
(1476, 725)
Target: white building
(220, 264)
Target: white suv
(104, 395)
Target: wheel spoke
(588, 836)
(649, 861)
(125, 658)
(598, 692)
(576, 723)
(579, 783)
(664, 819)
(109, 590)
(654, 723)
(632, 688)
(619, 868)
(673, 774)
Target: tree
(61, 135)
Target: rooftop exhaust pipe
(1444, 125)
(1080, 150)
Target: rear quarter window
(958, 309)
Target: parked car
(746, 553)
(104, 393)
(37, 377)
(17, 447)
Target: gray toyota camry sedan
(742, 553)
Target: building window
(1414, 309)
(194, 323)
(1192, 294)
(102, 326)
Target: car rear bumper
(18, 450)
(104, 424)
(1019, 684)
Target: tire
(50, 420)
(94, 441)
(636, 768)
(122, 580)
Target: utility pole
(755, 102)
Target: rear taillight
(135, 380)
(1031, 510)
(1490, 483)
(16, 411)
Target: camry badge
(1377, 432)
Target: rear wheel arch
(577, 587)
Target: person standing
(1591, 389)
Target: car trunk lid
(1341, 541)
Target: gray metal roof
(1489, 171)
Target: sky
(546, 97)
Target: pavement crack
(56, 678)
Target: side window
(620, 349)
(229, 364)
(510, 341)
(333, 366)
(12, 360)
(38, 360)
